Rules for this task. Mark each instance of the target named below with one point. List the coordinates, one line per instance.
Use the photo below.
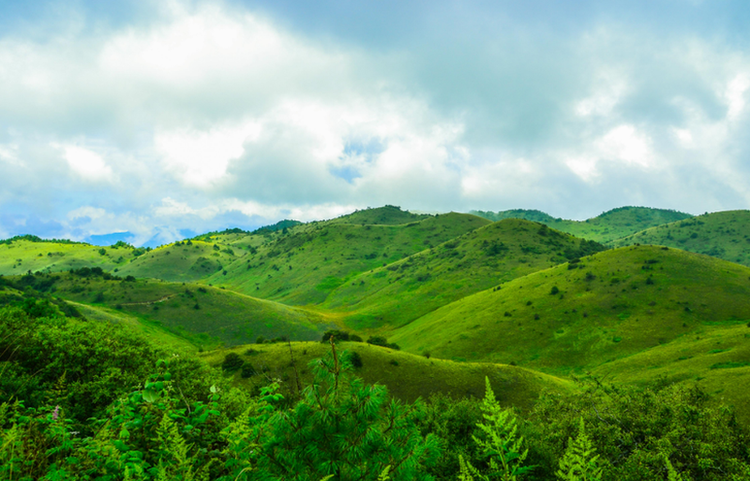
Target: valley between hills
(634, 296)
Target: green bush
(247, 370)
(232, 362)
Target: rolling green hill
(20, 256)
(725, 235)
(610, 305)
(305, 265)
(407, 376)
(604, 228)
(203, 315)
(404, 290)
(182, 261)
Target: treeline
(86, 400)
(33, 238)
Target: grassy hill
(610, 305)
(725, 235)
(404, 290)
(203, 315)
(20, 256)
(182, 261)
(407, 376)
(306, 264)
(604, 228)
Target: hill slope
(405, 290)
(182, 261)
(20, 256)
(407, 376)
(725, 235)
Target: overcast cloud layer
(170, 118)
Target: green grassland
(306, 264)
(182, 261)
(152, 330)
(201, 314)
(404, 290)
(633, 314)
(21, 256)
(604, 228)
(725, 235)
(407, 376)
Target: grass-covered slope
(604, 228)
(201, 314)
(614, 304)
(20, 256)
(725, 235)
(182, 261)
(405, 290)
(306, 264)
(407, 376)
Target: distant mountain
(604, 228)
(725, 235)
(533, 215)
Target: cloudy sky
(168, 118)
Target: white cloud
(9, 154)
(93, 213)
(200, 158)
(209, 113)
(86, 163)
(735, 96)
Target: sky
(165, 119)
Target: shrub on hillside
(337, 336)
(232, 362)
(248, 370)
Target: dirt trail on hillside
(147, 302)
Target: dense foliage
(87, 400)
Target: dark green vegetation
(90, 400)
(423, 309)
(605, 228)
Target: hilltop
(725, 235)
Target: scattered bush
(232, 362)
(247, 370)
